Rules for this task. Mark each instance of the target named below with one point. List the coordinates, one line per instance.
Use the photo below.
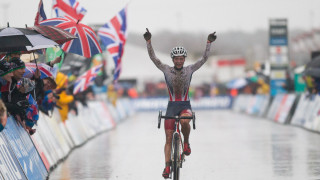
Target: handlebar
(176, 117)
(193, 117)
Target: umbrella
(56, 34)
(314, 63)
(45, 70)
(237, 83)
(312, 68)
(20, 39)
(314, 72)
(85, 45)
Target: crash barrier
(251, 104)
(301, 110)
(307, 112)
(279, 108)
(33, 157)
(155, 104)
(282, 108)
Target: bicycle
(177, 157)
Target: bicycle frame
(177, 144)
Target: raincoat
(65, 99)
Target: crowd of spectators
(23, 98)
(255, 83)
(312, 85)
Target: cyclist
(178, 81)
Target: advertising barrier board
(10, 168)
(25, 151)
(155, 104)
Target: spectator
(49, 102)
(45, 85)
(83, 96)
(316, 82)
(3, 115)
(132, 92)
(253, 84)
(289, 84)
(15, 99)
(112, 95)
(310, 84)
(15, 54)
(55, 61)
(90, 95)
(5, 73)
(263, 88)
(65, 99)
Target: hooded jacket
(65, 99)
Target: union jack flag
(84, 81)
(41, 15)
(32, 110)
(86, 43)
(113, 36)
(70, 8)
(45, 70)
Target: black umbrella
(314, 63)
(312, 68)
(21, 39)
(314, 72)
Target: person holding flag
(85, 80)
(178, 80)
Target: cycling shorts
(176, 108)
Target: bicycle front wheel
(176, 157)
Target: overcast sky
(179, 15)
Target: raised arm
(211, 38)
(152, 55)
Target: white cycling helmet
(178, 51)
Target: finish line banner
(155, 104)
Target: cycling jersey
(178, 81)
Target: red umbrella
(86, 43)
(56, 34)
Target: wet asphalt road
(225, 146)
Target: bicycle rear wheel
(176, 157)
